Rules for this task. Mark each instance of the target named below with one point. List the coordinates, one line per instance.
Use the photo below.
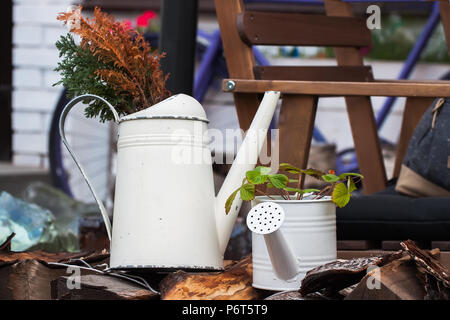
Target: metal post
(178, 38)
(5, 80)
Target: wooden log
(235, 283)
(27, 275)
(425, 260)
(398, 280)
(340, 274)
(100, 287)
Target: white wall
(34, 57)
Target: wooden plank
(413, 112)
(100, 287)
(239, 57)
(330, 88)
(357, 244)
(264, 28)
(296, 124)
(442, 245)
(314, 73)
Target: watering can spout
(266, 219)
(245, 160)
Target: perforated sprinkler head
(265, 218)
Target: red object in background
(128, 24)
(144, 19)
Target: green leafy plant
(111, 60)
(340, 187)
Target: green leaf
(330, 178)
(313, 173)
(341, 196)
(269, 185)
(230, 200)
(263, 170)
(247, 192)
(342, 176)
(279, 181)
(293, 180)
(255, 177)
(351, 185)
(289, 168)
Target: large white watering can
(165, 212)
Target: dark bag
(425, 171)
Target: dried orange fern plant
(112, 61)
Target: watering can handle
(62, 119)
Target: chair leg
(296, 124)
(246, 107)
(367, 143)
(414, 109)
(444, 7)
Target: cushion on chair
(388, 215)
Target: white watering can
(165, 212)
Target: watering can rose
(340, 187)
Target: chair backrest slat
(314, 73)
(263, 28)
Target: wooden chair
(302, 86)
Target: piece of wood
(344, 56)
(27, 275)
(295, 295)
(240, 65)
(235, 283)
(397, 280)
(391, 245)
(331, 88)
(357, 244)
(314, 73)
(296, 124)
(340, 274)
(442, 245)
(443, 257)
(29, 279)
(428, 262)
(413, 112)
(360, 113)
(296, 29)
(100, 287)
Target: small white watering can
(165, 212)
(289, 238)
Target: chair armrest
(331, 88)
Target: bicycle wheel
(94, 144)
